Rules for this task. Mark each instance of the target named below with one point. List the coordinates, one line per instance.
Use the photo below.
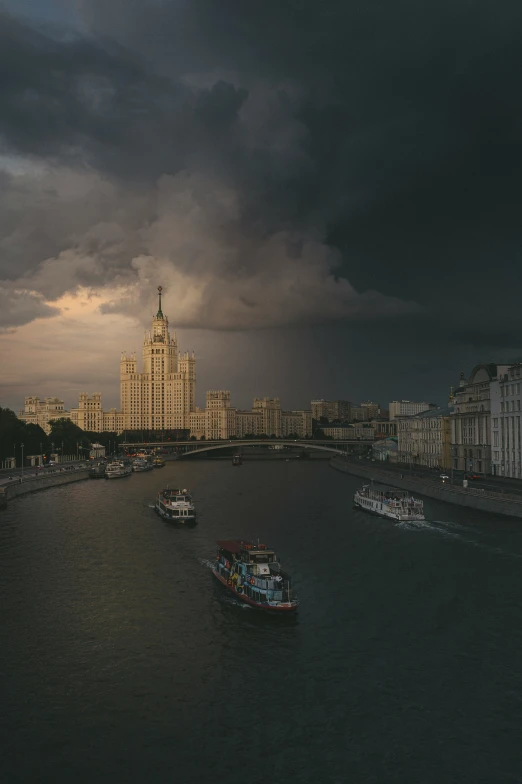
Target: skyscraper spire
(160, 312)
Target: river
(123, 661)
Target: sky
(327, 192)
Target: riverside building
(471, 418)
(407, 408)
(41, 412)
(163, 395)
(425, 438)
(506, 436)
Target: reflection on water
(126, 661)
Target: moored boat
(97, 471)
(141, 464)
(158, 462)
(117, 469)
(390, 502)
(253, 574)
(176, 506)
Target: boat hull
(187, 520)
(398, 518)
(281, 608)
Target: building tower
(162, 397)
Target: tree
(65, 432)
(14, 433)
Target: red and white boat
(253, 574)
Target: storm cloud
(271, 164)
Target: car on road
(444, 476)
(473, 476)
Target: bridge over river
(187, 448)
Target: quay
(11, 488)
(474, 498)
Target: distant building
(384, 428)
(332, 410)
(372, 409)
(349, 432)
(386, 449)
(270, 408)
(425, 438)
(41, 412)
(471, 419)
(298, 422)
(220, 417)
(97, 450)
(164, 394)
(506, 436)
(407, 408)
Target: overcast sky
(328, 193)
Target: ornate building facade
(163, 396)
(471, 419)
(41, 412)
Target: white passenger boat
(390, 502)
(176, 506)
(141, 464)
(117, 469)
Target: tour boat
(390, 502)
(237, 461)
(158, 462)
(175, 506)
(141, 464)
(253, 574)
(117, 469)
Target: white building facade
(407, 408)
(41, 412)
(506, 436)
(163, 396)
(471, 420)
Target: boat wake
(207, 562)
(231, 602)
(462, 533)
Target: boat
(390, 502)
(176, 506)
(253, 574)
(237, 460)
(141, 464)
(97, 471)
(117, 469)
(158, 462)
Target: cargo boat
(390, 502)
(253, 574)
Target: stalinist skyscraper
(162, 397)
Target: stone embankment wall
(452, 494)
(32, 484)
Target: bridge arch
(238, 444)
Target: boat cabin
(175, 496)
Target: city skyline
(331, 218)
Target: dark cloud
(278, 163)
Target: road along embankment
(498, 503)
(32, 484)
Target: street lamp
(22, 461)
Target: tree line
(17, 437)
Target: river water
(123, 661)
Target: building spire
(159, 314)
